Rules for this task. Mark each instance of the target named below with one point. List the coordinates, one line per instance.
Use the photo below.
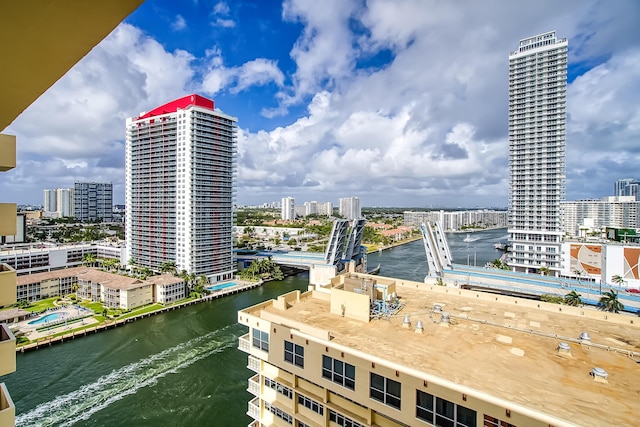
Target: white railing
(253, 409)
(254, 364)
(244, 344)
(254, 385)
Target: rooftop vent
(599, 374)
(584, 336)
(419, 329)
(564, 348)
(445, 317)
(406, 323)
(437, 308)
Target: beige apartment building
(168, 288)
(375, 351)
(113, 290)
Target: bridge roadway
(297, 259)
(509, 282)
(502, 281)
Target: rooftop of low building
(496, 345)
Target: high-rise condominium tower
(93, 201)
(180, 188)
(50, 200)
(537, 102)
(65, 202)
(288, 212)
(349, 208)
(627, 187)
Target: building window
(301, 424)
(341, 420)
(339, 372)
(385, 390)
(261, 339)
(294, 353)
(283, 390)
(441, 412)
(311, 404)
(494, 422)
(278, 412)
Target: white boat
(501, 246)
(470, 239)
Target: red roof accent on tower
(180, 103)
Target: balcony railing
(253, 409)
(254, 385)
(244, 344)
(254, 364)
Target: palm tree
(201, 283)
(573, 299)
(618, 280)
(88, 259)
(134, 266)
(544, 271)
(609, 302)
(168, 267)
(109, 264)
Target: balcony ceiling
(43, 39)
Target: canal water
(181, 368)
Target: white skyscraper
(50, 200)
(288, 212)
(65, 202)
(537, 129)
(180, 188)
(349, 208)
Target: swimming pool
(222, 286)
(44, 319)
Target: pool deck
(65, 313)
(46, 338)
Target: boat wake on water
(66, 410)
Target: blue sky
(400, 102)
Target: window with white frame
(282, 389)
(278, 412)
(385, 390)
(339, 372)
(294, 353)
(260, 339)
(341, 420)
(311, 404)
(441, 412)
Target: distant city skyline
(348, 97)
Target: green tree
(89, 259)
(618, 280)
(168, 267)
(497, 263)
(554, 299)
(609, 302)
(201, 283)
(573, 299)
(544, 271)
